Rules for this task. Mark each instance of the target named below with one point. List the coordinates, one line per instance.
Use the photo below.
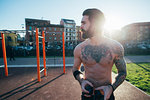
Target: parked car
(141, 46)
(19, 48)
(29, 48)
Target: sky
(118, 13)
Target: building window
(60, 38)
(54, 29)
(60, 29)
(50, 38)
(54, 38)
(50, 28)
(141, 28)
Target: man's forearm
(119, 79)
(80, 78)
(121, 67)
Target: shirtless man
(98, 54)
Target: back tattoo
(96, 52)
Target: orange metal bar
(63, 37)
(38, 56)
(44, 55)
(4, 54)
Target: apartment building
(70, 32)
(136, 33)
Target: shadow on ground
(26, 87)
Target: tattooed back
(98, 59)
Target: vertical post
(37, 55)
(44, 55)
(4, 54)
(63, 37)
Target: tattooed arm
(121, 67)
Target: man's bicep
(77, 63)
(77, 60)
(121, 65)
(119, 59)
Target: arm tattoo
(121, 66)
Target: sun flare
(113, 23)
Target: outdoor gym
(28, 76)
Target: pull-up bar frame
(44, 55)
(63, 38)
(4, 54)
(38, 54)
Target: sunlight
(113, 23)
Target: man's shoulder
(117, 47)
(80, 45)
(114, 43)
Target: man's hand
(107, 91)
(83, 84)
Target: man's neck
(97, 39)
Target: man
(98, 54)
(11, 53)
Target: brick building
(31, 24)
(53, 32)
(136, 33)
(53, 35)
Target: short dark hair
(95, 15)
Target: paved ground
(130, 59)
(22, 84)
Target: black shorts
(97, 96)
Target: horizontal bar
(40, 36)
(42, 70)
(48, 65)
(1, 66)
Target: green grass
(138, 74)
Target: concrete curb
(138, 88)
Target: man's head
(92, 22)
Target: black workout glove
(89, 89)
